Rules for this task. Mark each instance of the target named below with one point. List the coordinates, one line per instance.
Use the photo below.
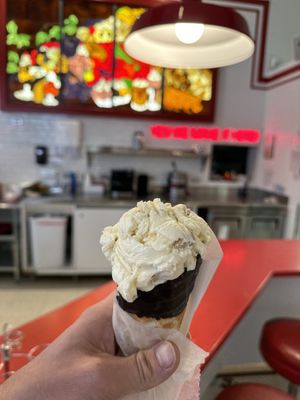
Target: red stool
(253, 391)
(280, 346)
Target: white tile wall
(16, 164)
(20, 134)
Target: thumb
(145, 369)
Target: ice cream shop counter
(228, 321)
(73, 225)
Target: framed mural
(68, 56)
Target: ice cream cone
(156, 250)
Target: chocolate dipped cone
(163, 306)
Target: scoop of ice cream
(152, 243)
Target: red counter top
(244, 271)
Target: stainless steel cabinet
(9, 239)
(227, 222)
(265, 223)
(247, 222)
(263, 227)
(227, 227)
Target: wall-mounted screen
(229, 161)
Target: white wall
(281, 173)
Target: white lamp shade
(155, 42)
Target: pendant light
(190, 34)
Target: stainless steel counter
(197, 198)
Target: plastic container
(48, 241)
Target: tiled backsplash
(18, 137)
(20, 133)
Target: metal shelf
(7, 238)
(67, 271)
(10, 258)
(146, 152)
(6, 269)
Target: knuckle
(144, 368)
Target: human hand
(81, 364)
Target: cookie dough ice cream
(156, 250)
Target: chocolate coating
(165, 300)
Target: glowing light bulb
(188, 32)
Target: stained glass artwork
(34, 61)
(90, 55)
(75, 56)
(140, 83)
(187, 89)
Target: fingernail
(165, 355)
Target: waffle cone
(165, 323)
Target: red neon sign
(180, 132)
(204, 134)
(250, 136)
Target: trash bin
(48, 238)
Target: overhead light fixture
(190, 34)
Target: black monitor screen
(229, 159)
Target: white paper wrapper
(132, 335)
(209, 265)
